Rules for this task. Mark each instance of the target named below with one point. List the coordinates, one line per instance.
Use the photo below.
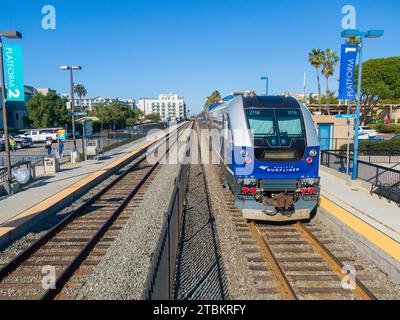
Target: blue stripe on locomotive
(274, 170)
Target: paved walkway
(48, 185)
(378, 213)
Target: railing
(4, 172)
(16, 158)
(160, 280)
(388, 156)
(384, 181)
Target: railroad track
(52, 266)
(291, 261)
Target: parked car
(367, 130)
(40, 135)
(20, 142)
(396, 137)
(377, 138)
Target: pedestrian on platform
(60, 148)
(48, 146)
(11, 142)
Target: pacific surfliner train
(269, 151)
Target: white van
(41, 135)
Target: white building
(167, 105)
(89, 103)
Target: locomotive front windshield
(278, 133)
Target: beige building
(332, 132)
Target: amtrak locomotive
(269, 152)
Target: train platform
(51, 193)
(372, 222)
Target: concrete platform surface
(375, 219)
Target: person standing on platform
(60, 148)
(48, 146)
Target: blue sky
(191, 47)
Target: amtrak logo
(280, 169)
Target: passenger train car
(269, 151)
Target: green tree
(380, 82)
(135, 117)
(215, 97)
(47, 111)
(153, 117)
(331, 60)
(316, 59)
(81, 91)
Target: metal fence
(385, 156)
(160, 280)
(4, 171)
(35, 159)
(384, 181)
(107, 140)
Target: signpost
(347, 67)
(346, 87)
(13, 70)
(346, 116)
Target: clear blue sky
(191, 47)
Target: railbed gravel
(200, 269)
(122, 272)
(373, 278)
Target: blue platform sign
(348, 61)
(13, 71)
(346, 116)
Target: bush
(388, 128)
(384, 147)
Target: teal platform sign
(13, 72)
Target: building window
(17, 116)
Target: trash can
(51, 165)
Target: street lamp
(352, 33)
(11, 34)
(71, 77)
(266, 84)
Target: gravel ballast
(122, 272)
(199, 273)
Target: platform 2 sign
(13, 71)
(347, 69)
(62, 134)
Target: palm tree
(353, 40)
(80, 90)
(215, 97)
(316, 59)
(331, 60)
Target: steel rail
(35, 246)
(284, 286)
(332, 260)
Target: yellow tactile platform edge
(382, 241)
(28, 214)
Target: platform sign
(13, 72)
(77, 114)
(62, 134)
(346, 116)
(348, 62)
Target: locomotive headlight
(313, 153)
(244, 153)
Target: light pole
(266, 83)
(12, 34)
(71, 78)
(352, 33)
